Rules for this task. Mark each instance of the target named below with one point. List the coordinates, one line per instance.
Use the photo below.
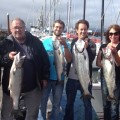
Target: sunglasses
(115, 34)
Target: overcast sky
(29, 11)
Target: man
(54, 84)
(73, 84)
(36, 69)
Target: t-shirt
(50, 50)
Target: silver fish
(82, 66)
(58, 59)
(109, 72)
(16, 73)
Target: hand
(62, 41)
(12, 54)
(113, 50)
(86, 42)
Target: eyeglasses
(15, 28)
(115, 33)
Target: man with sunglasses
(110, 108)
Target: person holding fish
(28, 74)
(108, 59)
(57, 49)
(80, 71)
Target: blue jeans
(57, 89)
(110, 108)
(71, 90)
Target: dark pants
(110, 108)
(71, 90)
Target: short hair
(116, 27)
(18, 19)
(59, 21)
(83, 22)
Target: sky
(30, 11)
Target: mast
(117, 17)
(69, 12)
(54, 9)
(33, 14)
(8, 23)
(50, 19)
(102, 21)
(45, 15)
(84, 10)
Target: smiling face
(114, 36)
(82, 31)
(57, 29)
(17, 29)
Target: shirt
(50, 50)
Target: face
(57, 29)
(17, 29)
(82, 31)
(114, 36)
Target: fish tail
(87, 96)
(59, 78)
(16, 113)
(109, 98)
(9, 86)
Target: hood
(28, 35)
(10, 37)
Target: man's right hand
(12, 54)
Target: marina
(42, 29)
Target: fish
(82, 67)
(109, 72)
(58, 59)
(15, 80)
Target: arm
(116, 56)
(6, 47)
(91, 48)
(98, 60)
(42, 64)
(46, 67)
(45, 63)
(67, 53)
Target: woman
(111, 108)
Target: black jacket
(91, 49)
(39, 54)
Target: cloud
(30, 10)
